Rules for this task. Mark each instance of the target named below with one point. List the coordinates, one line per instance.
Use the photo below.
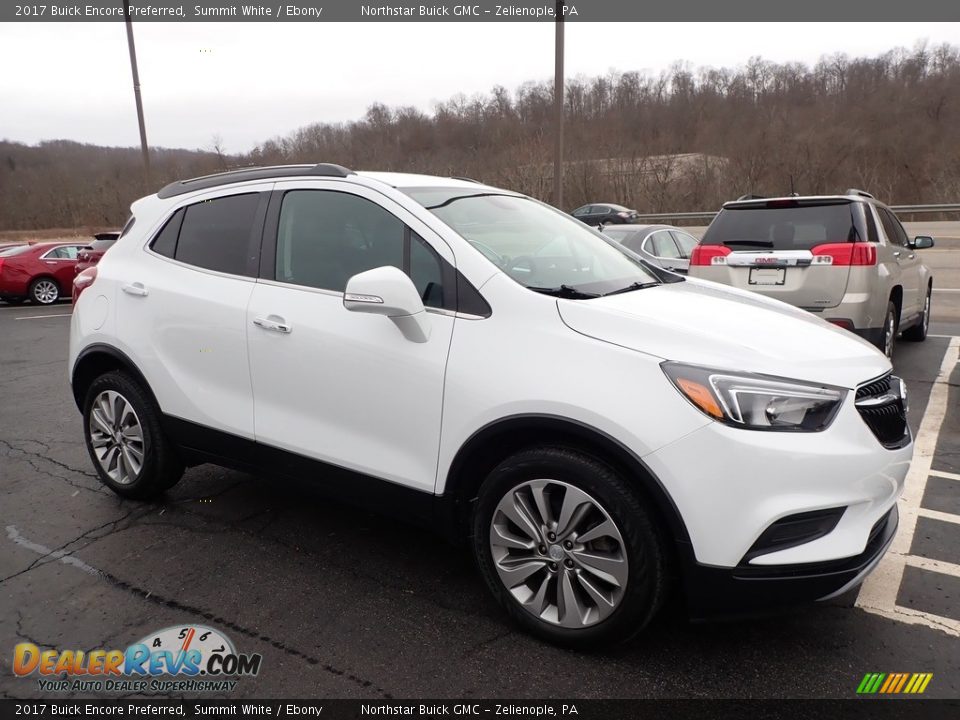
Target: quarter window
(165, 243)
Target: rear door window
(892, 228)
(661, 244)
(782, 227)
(686, 243)
(215, 234)
(66, 252)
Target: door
(183, 306)
(341, 387)
(61, 262)
(908, 261)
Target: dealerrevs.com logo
(184, 658)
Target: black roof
(181, 187)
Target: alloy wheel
(559, 553)
(116, 437)
(45, 292)
(889, 333)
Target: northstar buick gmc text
(604, 432)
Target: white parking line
(879, 593)
(41, 317)
(947, 475)
(938, 515)
(944, 568)
(936, 289)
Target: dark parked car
(663, 245)
(604, 214)
(42, 272)
(91, 254)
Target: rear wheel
(568, 548)
(121, 426)
(44, 291)
(918, 332)
(889, 336)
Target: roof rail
(180, 187)
(465, 179)
(751, 197)
(861, 193)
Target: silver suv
(844, 257)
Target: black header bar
(482, 11)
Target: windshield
(537, 246)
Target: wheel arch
(94, 361)
(896, 297)
(496, 441)
(44, 276)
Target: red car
(91, 254)
(42, 272)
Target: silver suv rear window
(784, 225)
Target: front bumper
(748, 589)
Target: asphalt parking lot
(342, 603)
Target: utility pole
(136, 93)
(558, 99)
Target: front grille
(881, 407)
(874, 388)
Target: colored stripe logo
(894, 683)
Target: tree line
(681, 140)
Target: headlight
(757, 402)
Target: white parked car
(477, 361)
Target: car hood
(705, 323)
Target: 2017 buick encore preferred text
(603, 433)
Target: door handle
(136, 289)
(278, 325)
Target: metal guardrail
(905, 209)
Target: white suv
(602, 431)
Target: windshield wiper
(566, 291)
(633, 286)
(752, 243)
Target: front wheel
(121, 426)
(568, 548)
(918, 333)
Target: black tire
(646, 582)
(888, 333)
(161, 467)
(918, 333)
(44, 291)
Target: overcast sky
(248, 82)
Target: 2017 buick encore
(601, 431)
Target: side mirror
(922, 242)
(389, 291)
